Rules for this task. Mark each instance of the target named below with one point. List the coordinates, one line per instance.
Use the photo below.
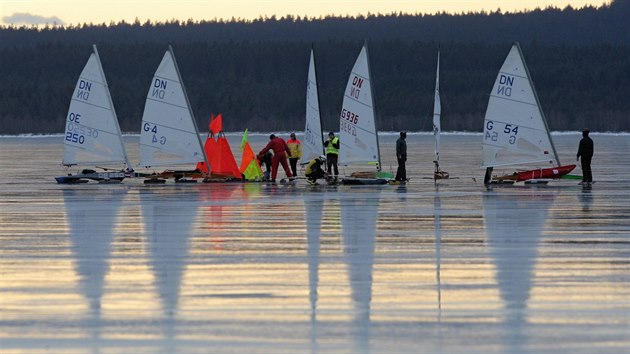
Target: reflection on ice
(91, 216)
(168, 225)
(514, 221)
(586, 198)
(313, 207)
(358, 229)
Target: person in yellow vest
(332, 153)
(295, 147)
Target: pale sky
(20, 12)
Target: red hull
(553, 172)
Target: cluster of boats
(515, 131)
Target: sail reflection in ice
(358, 229)
(313, 204)
(91, 216)
(514, 221)
(168, 225)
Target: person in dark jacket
(265, 160)
(280, 152)
(401, 155)
(585, 152)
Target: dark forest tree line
(255, 72)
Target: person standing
(585, 152)
(401, 155)
(332, 153)
(295, 147)
(314, 171)
(280, 151)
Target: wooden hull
(544, 173)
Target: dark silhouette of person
(585, 154)
(401, 155)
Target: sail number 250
(509, 129)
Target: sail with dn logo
(515, 128)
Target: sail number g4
(153, 128)
(508, 133)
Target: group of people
(314, 171)
(277, 151)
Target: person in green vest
(332, 153)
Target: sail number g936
(508, 133)
(348, 122)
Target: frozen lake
(255, 268)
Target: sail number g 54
(508, 133)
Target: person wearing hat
(585, 152)
(280, 151)
(332, 153)
(314, 171)
(295, 146)
(401, 156)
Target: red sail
(216, 125)
(209, 147)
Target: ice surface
(254, 268)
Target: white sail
(92, 134)
(169, 134)
(312, 145)
(358, 135)
(437, 110)
(515, 130)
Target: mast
(542, 114)
(192, 114)
(321, 130)
(437, 110)
(111, 103)
(378, 148)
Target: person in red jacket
(280, 152)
